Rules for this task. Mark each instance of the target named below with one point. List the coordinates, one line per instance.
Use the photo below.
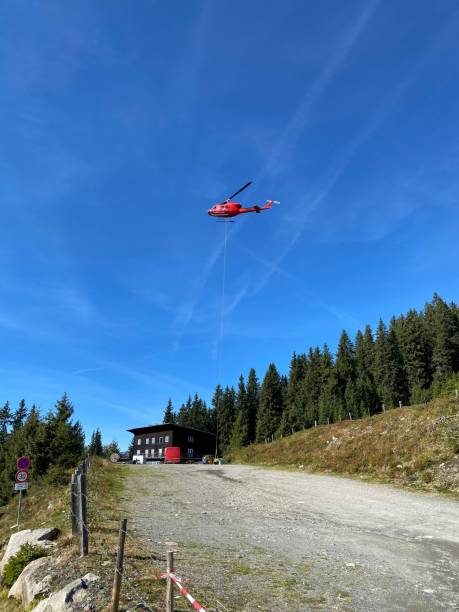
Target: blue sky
(122, 123)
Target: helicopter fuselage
(232, 209)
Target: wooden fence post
(170, 584)
(74, 504)
(83, 514)
(118, 567)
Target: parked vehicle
(172, 454)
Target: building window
(138, 451)
(190, 452)
(190, 438)
(147, 452)
(153, 440)
(160, 439)
(147, 441)
(139, 441)
(166, 439)
(160, 452)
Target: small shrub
(57, 475)
(18, 562)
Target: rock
(28, 585)
(64, 600)
(36, 537)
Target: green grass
(416, 447)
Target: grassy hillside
(416, 447)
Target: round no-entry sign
(23, 463)
(22, 476)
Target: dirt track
(258, 539)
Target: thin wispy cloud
(298, 122)
(286, 143)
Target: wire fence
(125, 575)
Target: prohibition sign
(22, 476)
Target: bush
(18, 562)
(57, 475)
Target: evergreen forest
(53, 442)
(407, 361)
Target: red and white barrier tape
(183, 590)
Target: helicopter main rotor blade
(239, 191)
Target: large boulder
(36, 537)
(30, 584)
(76, 592)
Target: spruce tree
(416, 353)
(331, 405)
(252, 399)
(183, 416)
(388, 367)
(365, 384)
(240, 432)
(65, 439)
(197, 416)
(226, 416)
(5, 422)
(345, 373)
(19, 416)
(311, 387)
(95, 448)
(270, 405)
(111, 448)
(169, 416)
(294, 415)
(443, 329)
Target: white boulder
(35, 537)
(64, 600)
(29, 585)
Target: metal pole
(119, 567)
(170, 584)
(19, 508)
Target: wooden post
(170, 584)
(118, 567)
(74, 504)
(83, 514)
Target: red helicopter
(227, 209)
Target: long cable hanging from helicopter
(224, 211)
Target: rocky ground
(255, 539)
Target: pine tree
(5, 422)
(294, 415)
(110, 449)
(183, 417)
(226, 416)
(64, 438)
(252, 399)
(331, 405)
(388, 367)
(443, 329)
(169, 416)
(19, 416)
(131, 448)
(270, 404)
(345, 373)
(34, 442)
(95, 448)
(312, 385)
(367, 396)
(197, 416)
(416, 353)
(240, 432)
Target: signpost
(22, 482)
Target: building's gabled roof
(166, 427)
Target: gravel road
(255, 539)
